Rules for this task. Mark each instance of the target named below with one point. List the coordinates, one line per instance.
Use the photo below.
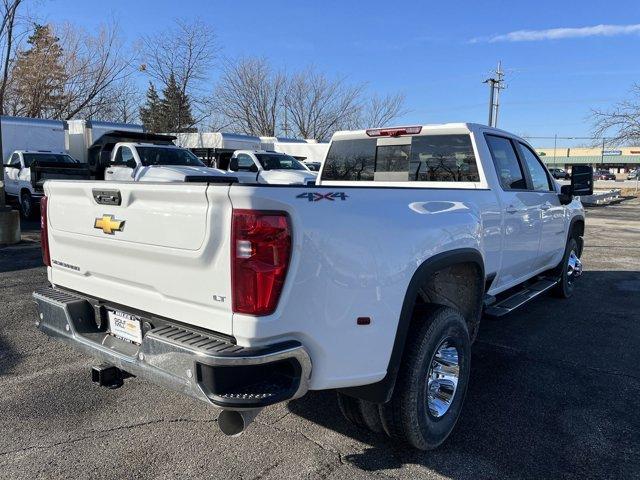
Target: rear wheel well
(458, 286)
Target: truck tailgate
(164, 250)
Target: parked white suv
(409, 236)
(148, 162)
(262, 166)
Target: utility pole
(555, 145)
(496, 83)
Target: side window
(245, 163)
(117, 158)
(536, 170)
(123, 155)
(506, 162)
(15, 159)
(127, 154)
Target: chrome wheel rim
(574, 267)
(442, 380)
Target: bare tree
(8, 14)
(250, 95)
(187, 53)
(621, 124)
(119, 103)
(316, 106)
(94, 65)
(380, 111)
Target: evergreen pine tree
(176, 108)
(151, 112)
(40, 76)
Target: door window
(538, 174)
(15, 159)
(123, 155)
(127, 154)
(245, 163)
(506, 163)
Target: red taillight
(260, 251)
(44, 232)
(393, 132)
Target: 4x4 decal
(317, 196)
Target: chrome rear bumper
(189, 361)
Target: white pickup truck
(409, 236)
(263, 166)
(26, 171)
(148, 162)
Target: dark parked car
(633, 174)
(559, 174)
(603, 175)
(313, 166)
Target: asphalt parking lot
(554, 393)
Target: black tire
(27, 207)
(564, 288)
(350, 409)
(407, 416)
(361, 413)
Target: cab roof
(426, 129)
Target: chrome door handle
(511, 209)
(545, 206)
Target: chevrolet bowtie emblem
(108, 224)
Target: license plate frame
(125, 326)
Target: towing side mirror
(233, 164)
(581, 180)
(131, 163)
(581, 184)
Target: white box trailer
(216, 148)
(82, 134)
(22, 133)
(305, 150)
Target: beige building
(615, 160)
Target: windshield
(47, 158)
(270, 161)
(167, 156)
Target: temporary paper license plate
(125, 326)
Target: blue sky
(437, 53)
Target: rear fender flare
(381, 391)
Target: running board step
(519, 298)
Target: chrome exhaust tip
(234, 422)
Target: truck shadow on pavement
(9, 358)
(29, 256)
(555, 387)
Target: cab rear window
(424, 158)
